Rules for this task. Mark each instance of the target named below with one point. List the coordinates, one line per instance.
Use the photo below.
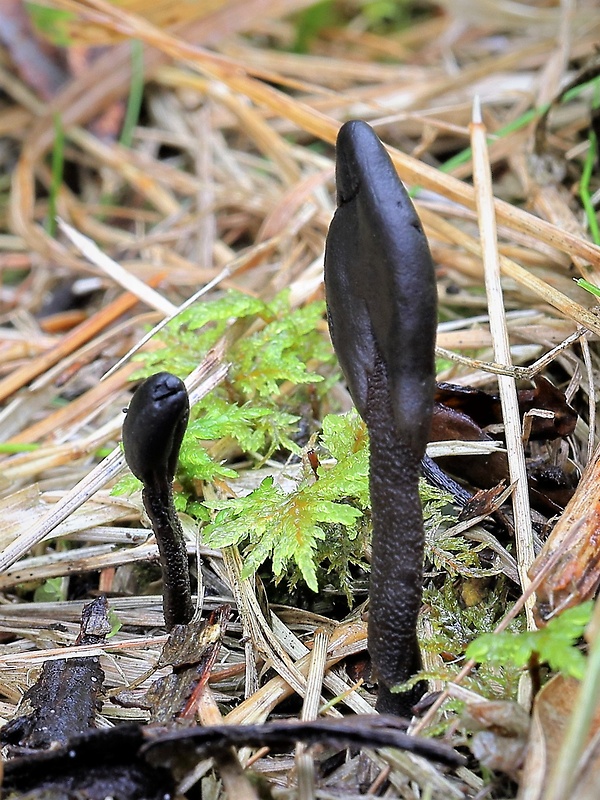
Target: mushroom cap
(154, 426)
(380, 283)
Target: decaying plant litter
(223, 187)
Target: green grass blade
(136, 92)
(57, 166)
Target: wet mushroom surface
(152, 434)
(195, 168)
(381, 301)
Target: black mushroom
(152, 434)
(382, 308)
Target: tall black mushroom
(381, 300)
(152, 434)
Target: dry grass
(230, 180)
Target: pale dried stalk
(176, 310)
(254, 125)
(88, 559)
(239, 592)
(336, 685)
(110, 267)
(35, 657)
(506, 384)
(67, 416)
(147, 175)
(310, 708)
(145, 181)
(238, 79)
(405, 765)
(235, 780)
(513, 270)
(347, 638)
(312, 700)
(591, 392)
(67, 344)
(254, 621)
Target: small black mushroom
(382, 309)
(152, 434)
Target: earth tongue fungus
(381, 300)
(152, 433)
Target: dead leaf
(484, 409)
(483, 503)
(501, 734)
(576, 575)
(484, 471)
(551, 712)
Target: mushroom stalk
(177, 594)
(397, 552)
(152, 434)
(382, 310)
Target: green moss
(556, 644)
(455, 625)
